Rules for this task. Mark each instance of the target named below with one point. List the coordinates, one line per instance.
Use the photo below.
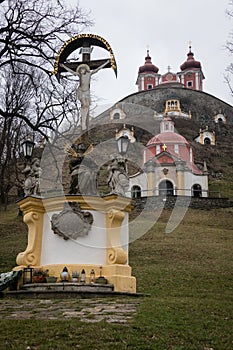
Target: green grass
(187, 273)
(223, 186)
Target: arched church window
(220, 121)
(136, 191)
(116, 115)
(207, 141)
(196, 191)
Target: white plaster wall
(139, 180)
(191, 179)
(85, 250)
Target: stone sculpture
(83, 171)
(83, 90)
(118, 179)
(32, 174)
(71, 222)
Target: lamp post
(123, 144)
(28, 147)
(27, 275)
(32, 170)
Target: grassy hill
(187, 274)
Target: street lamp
(28, 147)
(123, 144)
(27, 275)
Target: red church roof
(190, 62)
(167, 138)
(148, 67)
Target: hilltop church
(168, 161)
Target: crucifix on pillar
(83, 69)
(84, 73)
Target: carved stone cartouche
(71, 222)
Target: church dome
(148, 67)
(190, 62)
(167, 138)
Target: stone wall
(183, 201)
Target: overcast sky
(167, 27)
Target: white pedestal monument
(101, 243)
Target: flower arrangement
(40, 272)
(39, 275)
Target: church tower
(148, 77)
(191, 74)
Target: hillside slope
(187, 276)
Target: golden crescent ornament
(77, 42)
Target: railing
(173, 192)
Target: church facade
(168, 167)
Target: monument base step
(65, 290)
(67, 286)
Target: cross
(85, 50)
(190, 45)
(169, 68)
(164, 147)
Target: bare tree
(15, 96)
(229, 47)
(32, 101)
(31, 33)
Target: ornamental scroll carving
(31, 256)
(71, 222)
(115, 253)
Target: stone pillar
(150, 171)
(180, 167)
(205, 192)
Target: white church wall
(138, 180)
(191, 179)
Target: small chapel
(168, 167)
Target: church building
(163, 102)
(168, 167)
(190, 76)
(168, 160)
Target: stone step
(67, 287)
